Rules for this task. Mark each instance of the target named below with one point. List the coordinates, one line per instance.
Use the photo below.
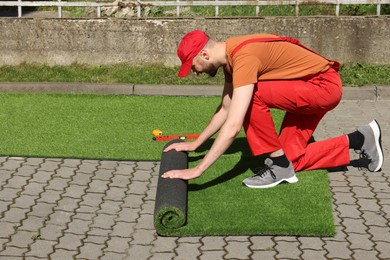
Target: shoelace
(364, 157)
(264, 171)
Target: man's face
(200, 65)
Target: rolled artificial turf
(170, 210)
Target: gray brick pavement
(91, 209)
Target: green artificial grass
(218, 203)
(119, 128)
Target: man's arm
(214, 125)
(238, 107)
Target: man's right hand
(182, 147)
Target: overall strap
(336, 65)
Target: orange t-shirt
(279, 60)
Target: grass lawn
(119, 128)
(352, 74)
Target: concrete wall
(140, 41)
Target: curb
(349, 93)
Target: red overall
(305, 101)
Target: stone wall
(141, 41)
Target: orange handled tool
(171, 137)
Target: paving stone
(344, 198)
(25, 201)
(92, 199)
(288, 250)
(138, 187)
(261, 243)
(52, 232)
(132, 201)
(16, 182)
(74, 191)
(26, 171)
(237, 249)
(123, 229)
(15, 215)
(264, 255)
(337, 249)
(7, 229)
(384, 249)
(128, 214)
(313, 254)
(21, 239)
(67, 204)
(145, 221)
(142, 237)
(363, 192)
(41, 176)
(32, 223)
(103, 175)
(145, 165)
(50, 196)
(142, 175)
(8, 194)
(360, 241)
(212, 255)
(11, 164)
(64, 172)
(115, 194)
(70, 163)
(50, 165)
(101, 240)
(148, 207)
(63, 254)
(11, 251)
(58, 184)
(81, 178)
(84, 216)
(103, 221)
(120, 181)
(125, 168)
(111, 165)
(90, 251)
(166, 244)
(349, 211)
(379, 233)
(354, 225)
(59, 218)
(139, 252)
(70, 242)
(109, 207)
(117, 245)
(94, 231)
(193, 240)
(313, 243)
(33, 188)
(363, 254)
(188, 251)
(41, 248)
(357, 181)
(98, 186)
(374, 218)
(78, 227)
(88, 167)
(112, 256)
(164, 256)
(379, 187)
(368, 204)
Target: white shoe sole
(377, 134)
(292, 179)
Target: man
(264, 71)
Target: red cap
(191, 44)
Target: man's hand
(182, 147)
(185, 174)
